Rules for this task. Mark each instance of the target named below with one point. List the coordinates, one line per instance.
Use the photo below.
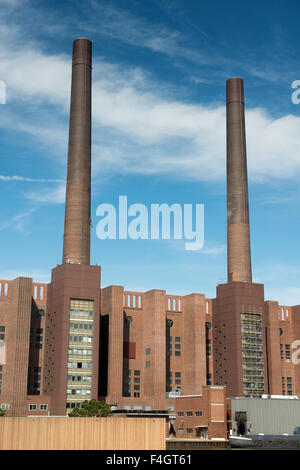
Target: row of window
(73, 405)
(287, 351)
(80, 365)
(80, 339)
(177, 381)
(79, 378)
(81, 313)
(79, 391)
(254, 385)
(81, 326)
(2, 329)
(34, 407)
(177, 339)
(127, 373)
(80, 352)
(200, 433)
(177, 374)
(132, 301)
(128, 380)
(174, 305)
(287, 386)
(177, 353)
(188, 430)
(189, 413)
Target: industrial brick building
(71, 340)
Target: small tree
(2, 413)
(91, 408)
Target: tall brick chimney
(76, 247)
(238, 233)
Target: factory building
(71, 340)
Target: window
(148, 351)
(289, 385)
(177, 339)
(4, 406)
(148, 364)
(177, 374)
(2, 328)
(189, 413)
(43, 407)
(180, 413)
(198, 413)
(32, 407)
(177, 353)
(137, 372)
(189, 431)
(136, 394)
(287, 351)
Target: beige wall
(82, 433)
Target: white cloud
(31, 180)
(17, 221)
(285, 296)
(38, 275)
(50, 196)
(137, 127)
(213, 249)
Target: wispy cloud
(38, 275)
(288, 296)
(213, 249)
(49, 196)
(26, 179)
(17, 221)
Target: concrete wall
(82, 433)
(267, 415)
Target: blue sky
(159, 73)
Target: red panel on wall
(129, 349)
